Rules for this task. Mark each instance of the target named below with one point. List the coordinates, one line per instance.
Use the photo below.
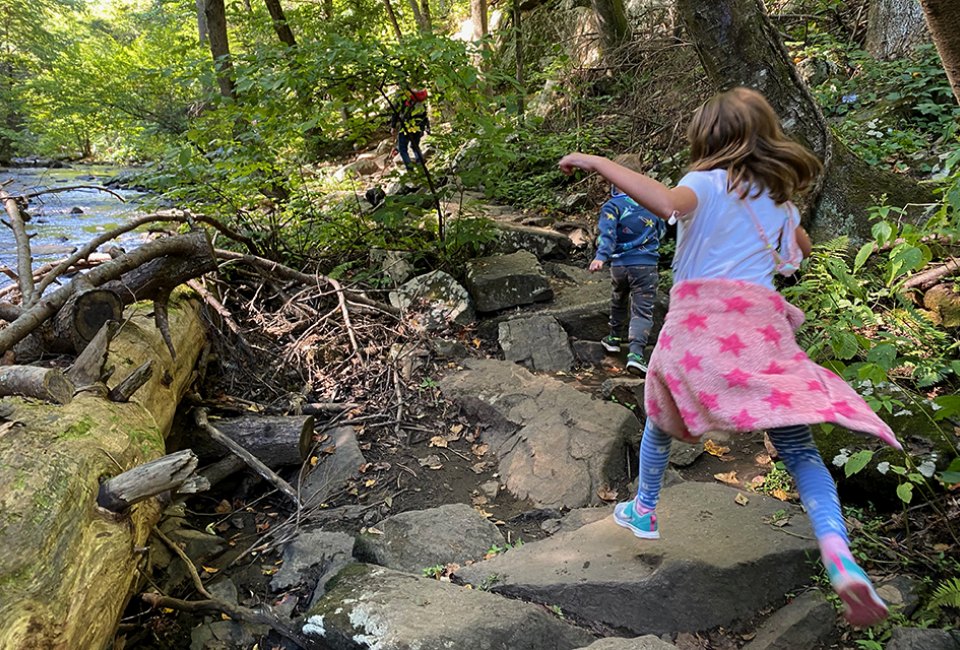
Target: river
(64, 220)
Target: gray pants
(634, 291)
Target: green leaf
(883, 354)
(881, 231)
(872, 372)
(949, 407)
(857, 462)
(844, 345)
(865, 251)
(905, 492)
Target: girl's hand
(577, 161)
(596, 265)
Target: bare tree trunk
(943, 19)
(220, 45)
(425, 12)
(393, 19)
(284, 33)
(201, 22)
(894, 27)
(417, 16)
(478, 16)
(518, 47)
(612, 21)
(738, 46)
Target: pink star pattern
(732, 344)
(689, 416)
(800, 356)
(710, 400)
(672, 383)
(736, 377)
(778, 398)
(844, 409)
(653, 410)
(737, 304)
(827, 414)
(815, 386)
(690, 361)
(774, 369)
(778, 304)
(695, 321)
(664, 340)
(688, 289)
(744, 421)
(770, 334)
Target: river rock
(807, 621)
(648, 642)
(555, 445)
(590, 353)
(915, 638)
(443, 297)
(396, 266)
(415, 540)
(375, 607)
(503, 281)
(313, 558)
(538, 342)
(716, 563)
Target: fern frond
(947, 594)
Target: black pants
(404, 141)
(634, 289)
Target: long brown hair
(738, 131)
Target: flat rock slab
(375, 607)
(808, 621)
(556, 446)
(443, 299)
(415, 540)
(500, 282)
(333, 470)
(648, 642)
(538, 342)
(312, 558)
(542, 242)
(716, 562)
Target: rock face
(542, 242)
(443, 297)
(716, 562)
(502, 281)
(538, 343)
(414, 540)
(808, 621)
(556, 446)
(374, 607)
(313, 558)
(914, 638)
(648, 642)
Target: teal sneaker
(611, 343)
(862, 606)
(643, 526)
(636, 364)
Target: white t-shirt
(719, 238)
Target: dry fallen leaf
(431, 462)
(780, 494)
(479, 500)
(223, 507)
(480, 449)
(741, 499)
(771, 450)
(438, 441)
(210, 569)
(456, 429)
(714, 449)
(479, 468)
(763, 459)
(607, 493)
(730, 478)
(370, 482)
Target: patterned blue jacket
(629, 233)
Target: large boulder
(502, 281)
(538, 343)
(375, 607)
(716, 563)
(556, 445)
(915, 638)
(546, 244)
(418, 539)
(944, 301)
(440, 295)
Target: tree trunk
(894, 27)
(943, 19)
(738, 46)
(201, 23)
(425, 12)
(278, 441)
(393, 20)
(119, 493)
(216, 16)
(47, 384)
(284, 33)
(478, 16)
(518, 50)
(612, 22)
(67, 570)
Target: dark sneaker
(636, 364)
(611, 343)
(642, 526)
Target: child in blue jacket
(630, 242)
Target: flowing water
(65, 220)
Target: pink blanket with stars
(727, 361)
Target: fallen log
(67, 569)
(276, 440)
(48, 384)
(144, 481)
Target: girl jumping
(727, 359)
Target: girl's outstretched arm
(651, 194)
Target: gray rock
(542, 242)
(538, 343)
(648, 642)
(447, 349)
(717, 562)
(914, 638)
(503, 281)
(490, 489)
(220, 635)
(385, 146)
(313, 557)
(555, 445)
(576, 202)
(379, 608)
(333, 470)
(396, 266)
(415, 540)
(224, 589)
(590, 353)
(444, 298)
(900, 593)
(579, 517)
(361, 167)
(626, 390)
(808, 621)
(683, 454)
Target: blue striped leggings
(796, 448)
